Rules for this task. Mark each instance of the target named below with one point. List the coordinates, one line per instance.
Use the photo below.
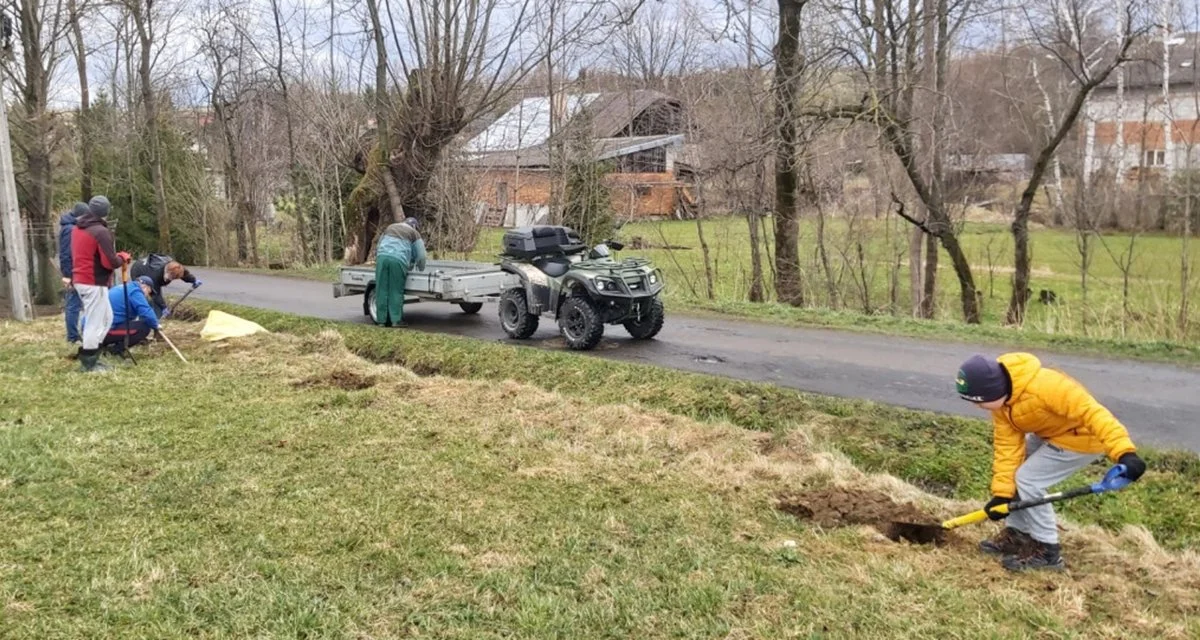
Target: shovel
(185, 295)
(172, 345)
(935, 533)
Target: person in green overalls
(400, 248)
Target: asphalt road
(1159, 403)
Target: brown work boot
(1007, 542)
(1039, 556)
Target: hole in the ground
(337, 379)
(845, 507)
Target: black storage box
(541, 240)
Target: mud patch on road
(337, 379)
(844, 507)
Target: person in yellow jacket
(1046, 427)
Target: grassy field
(283, 486)
(1150, 329)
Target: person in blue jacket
(400, 248)
(142, 318)
(73, 306)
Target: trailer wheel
(580, 323)
(515, 318)
(470, 307)
(650, 324)
(369, 305)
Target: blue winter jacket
(139, 307)
(66, 223)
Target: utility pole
(15, 260)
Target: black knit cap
(982, 380)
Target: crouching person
(141, 319)
(1046, 426)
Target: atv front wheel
(580, 323)
(470, 308)
(650, 323)
(515, 318)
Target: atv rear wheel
(470, 307)
(650, 323)
(580, 323)
(515, 318)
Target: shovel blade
(916, 533)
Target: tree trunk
(756, 272)
(1020, 227)
(150, 105)
(789, 64)
(929, 295)
(86, 136)
(383, 112)
(916, 266)
(289, 120)
(35, 96)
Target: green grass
(1149, 331)
(234, 502)
(945, 453)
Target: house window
(1155, 158)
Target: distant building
(639, 132)
(1125, 131)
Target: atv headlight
(606, 284)
(654, 278)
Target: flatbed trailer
(467, 284)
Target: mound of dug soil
(184, 313)
(842, 507)
(337, 379)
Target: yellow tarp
(221, 325)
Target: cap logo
(961, 382)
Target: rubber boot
(89, 362)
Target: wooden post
(16, 260)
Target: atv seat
(553, 266)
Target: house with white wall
(1144, 120)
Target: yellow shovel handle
(973, 517)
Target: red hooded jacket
(93, 256)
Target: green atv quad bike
(582, 289)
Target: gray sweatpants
(97, 314)
(1045, 466)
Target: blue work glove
(196, 284)
(166, 312)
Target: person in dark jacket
(93, 259)
(142, 319)
(72, 304)
(162, 270)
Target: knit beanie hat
(412, 222)
(146, 281)
(982, 380)
(99, 206)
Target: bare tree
(86, 136)
(457, 61)
(146, 16)
(41, 27)
(789, 69)
(1071, 24)
(893, 66)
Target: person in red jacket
(94, 259)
